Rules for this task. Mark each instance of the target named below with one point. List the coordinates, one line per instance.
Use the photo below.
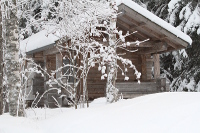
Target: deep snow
(156, 113)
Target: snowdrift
(156, 113)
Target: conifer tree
(180, 67)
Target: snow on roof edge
(39, 40)
(144, 12)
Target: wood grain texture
(156, 58)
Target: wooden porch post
(58, 64)
(156, 58)
(45, 79)
(144, 67)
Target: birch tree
(11, 58)
(1, 65)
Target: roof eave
(181, 42)
(41, 49)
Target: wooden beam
(123, 23)
(169, 49)
(133, 37)
(139, 35)
(156, 58)
(142, 45)
(38, 59)
(51, 51)
(133, 20)
(121, 13)
(157, 47)
(38, 54)
(133, 27)
(146, 44)
(170, 43)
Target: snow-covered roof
(50, 35)
(39, 40)
(134, 6)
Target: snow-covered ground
(156, 113)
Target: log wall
(143, 63)
(135, 89)
(96, 86)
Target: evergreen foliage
(182, 68)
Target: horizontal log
(143, 87)
(129, 96)
(137, 92)
(96, 86)
(40, 54)
(94, 95)
(95, 80)
(122, 80)
(51, 51)
(96, 91)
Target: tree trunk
(1, 65)
(85, 72)
(12, 64)
(111, 90)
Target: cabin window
(67, 71)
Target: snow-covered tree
(30, 20)
(80, 22)
(185, 15)
(180, 67)
(11, 57)
(84, 22)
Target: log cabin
(162, 38)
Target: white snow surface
(43, 38)
(155, 113)
(155, 19)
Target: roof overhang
(49, 46)
(148, 26)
